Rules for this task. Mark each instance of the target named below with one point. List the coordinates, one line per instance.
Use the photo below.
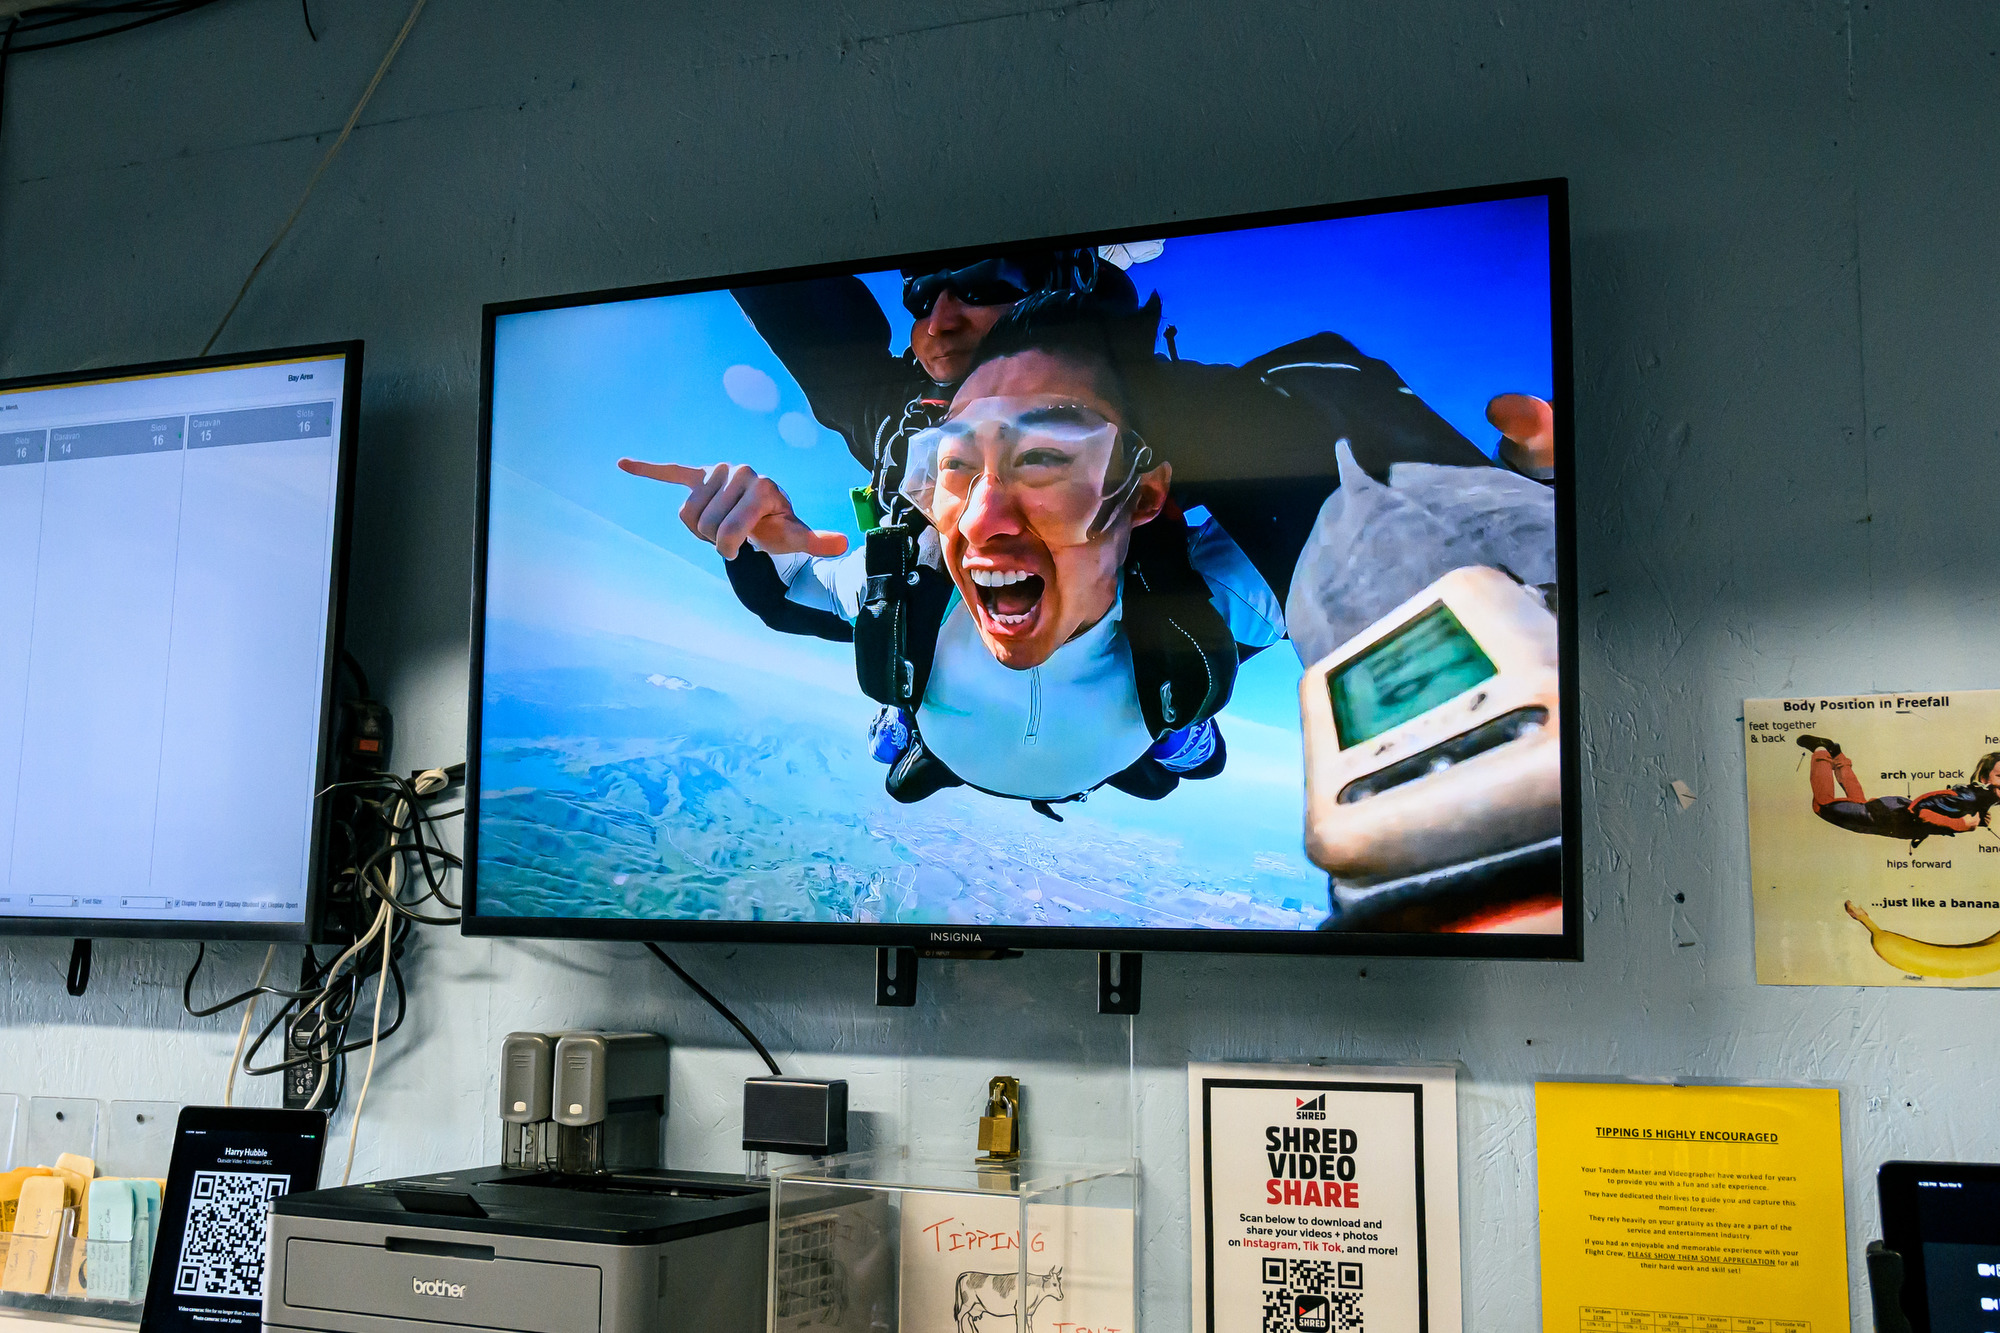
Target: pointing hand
(1527, 427)
(729, 504)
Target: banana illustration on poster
(1326, 1198)
(1874, 859)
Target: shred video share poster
(1873, 856)
(1326, 1198)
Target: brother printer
(580, 1231)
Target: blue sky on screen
(1456, 299)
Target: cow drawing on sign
(981, 1294)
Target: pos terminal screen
(1960, 1227)
(1427, 662)
(229, 1165)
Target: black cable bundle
(385, 843)
(87, 20)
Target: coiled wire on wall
(389, 874)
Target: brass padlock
(1000, 1127)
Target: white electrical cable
(326, 991)
(400, 814)
(319, 1084)
(354, 118)
(427, 784)
(243, 1032)
(374, 1043)
(333, 973)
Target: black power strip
(303, 1082)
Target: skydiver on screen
(834, 339)
(1255, 447)
(1054, 635)
(1286, 408)
(1061, 620)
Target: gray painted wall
(1788, 368)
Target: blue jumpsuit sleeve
(766, 588)
(1236, 590)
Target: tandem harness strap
(1183, 655)
(902, 605)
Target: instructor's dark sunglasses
(989, 282)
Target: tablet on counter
(229, 1163)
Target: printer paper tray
(520, 1295)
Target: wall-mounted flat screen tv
(173, 558)
(1196, 586)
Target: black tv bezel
(306, 929)
(1565, 946)
(1896, 1185)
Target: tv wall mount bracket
(1118, 975)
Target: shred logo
(438, 1287)
(1311, 1110)
(1312, 1314)
(1310, 1166)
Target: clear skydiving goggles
(1072, 471)
(989, 282)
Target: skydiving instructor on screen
(1063, 618)
(1035, 573)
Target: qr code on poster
(222, 1252)
(1312, 1296)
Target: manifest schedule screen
(166, 565)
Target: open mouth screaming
(1009, 597)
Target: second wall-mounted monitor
(1168, 588)
(172, 564)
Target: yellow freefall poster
(1676, 1210)
(1874, 860)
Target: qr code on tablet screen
(222, 1251)
(1312, 1296)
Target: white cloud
(798, 430)
(750, 389)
